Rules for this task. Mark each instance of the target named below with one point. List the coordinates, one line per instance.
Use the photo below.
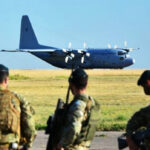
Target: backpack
(89, 126)
(94, 112)
(9, 113)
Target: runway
(102, 141)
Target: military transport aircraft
(88, 58)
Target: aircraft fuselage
(99, 58)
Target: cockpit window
(121, 53)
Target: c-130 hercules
(87, 58)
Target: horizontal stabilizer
(4, 50)
(27, 50)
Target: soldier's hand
(25, 147)
(131, 144)
(59, 147)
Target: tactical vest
(9, 115)
(90, 124)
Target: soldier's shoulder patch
(78, 104)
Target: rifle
(54, 125)
(138, 137)
(56, 122)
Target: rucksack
(9, 113)
(89, 126)
(93, 118)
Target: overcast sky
(58, 22)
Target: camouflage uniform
(23, 129)
(75, 134)
(140, 119)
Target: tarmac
(102, 141)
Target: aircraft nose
(130, 61)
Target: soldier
(81, 116)
(142, 117)
(16, 117)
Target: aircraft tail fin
(28, 38)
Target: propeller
(69, 54)
(69, 47)
(128, 49)
(83, 54)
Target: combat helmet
(79, 78)
(144, 77)
(4, 69)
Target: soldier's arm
(139, 119)
(73, 124)
(27, 121)
(131, 144)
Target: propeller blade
(131, 49)
(69, 45)
(128, 49)
(88, 54)
(84, 45)
(115, 46)
(125, 43)
(82, 59)
(66, 59)
(79, 51)
(64, 50)
(109, 45)
(72, 55)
